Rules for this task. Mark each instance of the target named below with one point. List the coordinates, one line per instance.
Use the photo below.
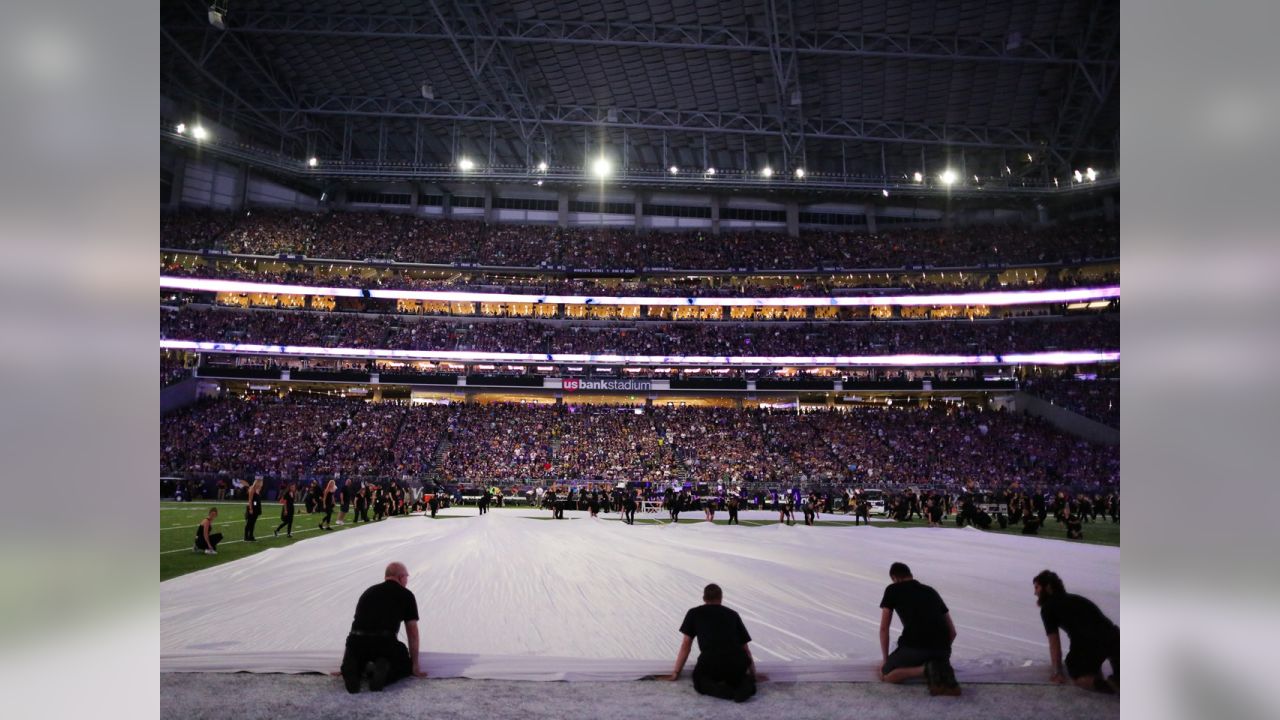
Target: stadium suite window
(466, 201)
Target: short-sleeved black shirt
(1078, 616)
(922, 612)
(719, 630)
(383, 607)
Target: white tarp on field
(507, 596)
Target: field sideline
(178, 522)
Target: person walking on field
(252, 509)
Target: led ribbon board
(1045, 358)
(1012, 297)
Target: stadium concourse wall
(205, 182)
(178, 395)
(1066, 420)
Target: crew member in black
(809, 512)
(935, 512)
(732, 506)
(629, 508)
(206, 539)
(484, 501)
(674, 508)
(362, 504)
(725, 668)
(434, 502)
(252, 509)
(1075, 529)
(862, 511)
(286, 511)
(924, 648)
(372, 646)
(1094, 638)
(326, 523)
(344, 500)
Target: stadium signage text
(574, 384)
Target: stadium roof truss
(1013, 91)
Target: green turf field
(178, 522)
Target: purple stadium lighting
(1013, 297)
(1049, 358)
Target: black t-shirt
(1077, 616)
(383, 607)
(922, 612)
(719, 630)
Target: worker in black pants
(732, 506)
(252, 509)
(372, 648)
(629, 509)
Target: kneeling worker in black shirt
(725, 668)
(372, 647)
(1094, 638)
(924, 649)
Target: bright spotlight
(199, 133)
(948, 177)
(1078, 177)
(1091, 174)
(1029, 159)
(767, 171)
(538, 183)
(800, 173)
(975, 179)
(312, 162)
(182, 128)
(711, 171)
(673, 170)
(885, 192)
(542, 166)
(466, 164)
(918, 177)
(601, 167)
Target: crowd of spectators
(411, 238)
(172, 369)
(970, 337)
(305, 436)
(194, 229)
(1096, 399)
(361, 276)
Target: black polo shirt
(923, 614)
(383, 607)
(718, 629)
(1078, 616)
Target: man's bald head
(398, 572)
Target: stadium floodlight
(313, 161)
(948, 177)
(1029, 158)
(198, 132)
(1055, 182)
(542, 166)
(182, 128)
(601, 167)
(1078, 177)
(767, 171)
(1091, 174)
(538, 183)
(975, 179)
(799, 173)
(885, 192)
(673, 170)
(465, 164)
(918, 177)
(711, 171)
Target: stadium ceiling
(876, 89)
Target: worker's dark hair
(712, 593)
(1049, 579)
(899, 571)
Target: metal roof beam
(470, 29)
(681, 37)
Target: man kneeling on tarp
(725, 668)
(372, 647)
(924, 649)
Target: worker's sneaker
(378, 680)
(210, 552)
(351, 677)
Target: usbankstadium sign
(574, 384)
